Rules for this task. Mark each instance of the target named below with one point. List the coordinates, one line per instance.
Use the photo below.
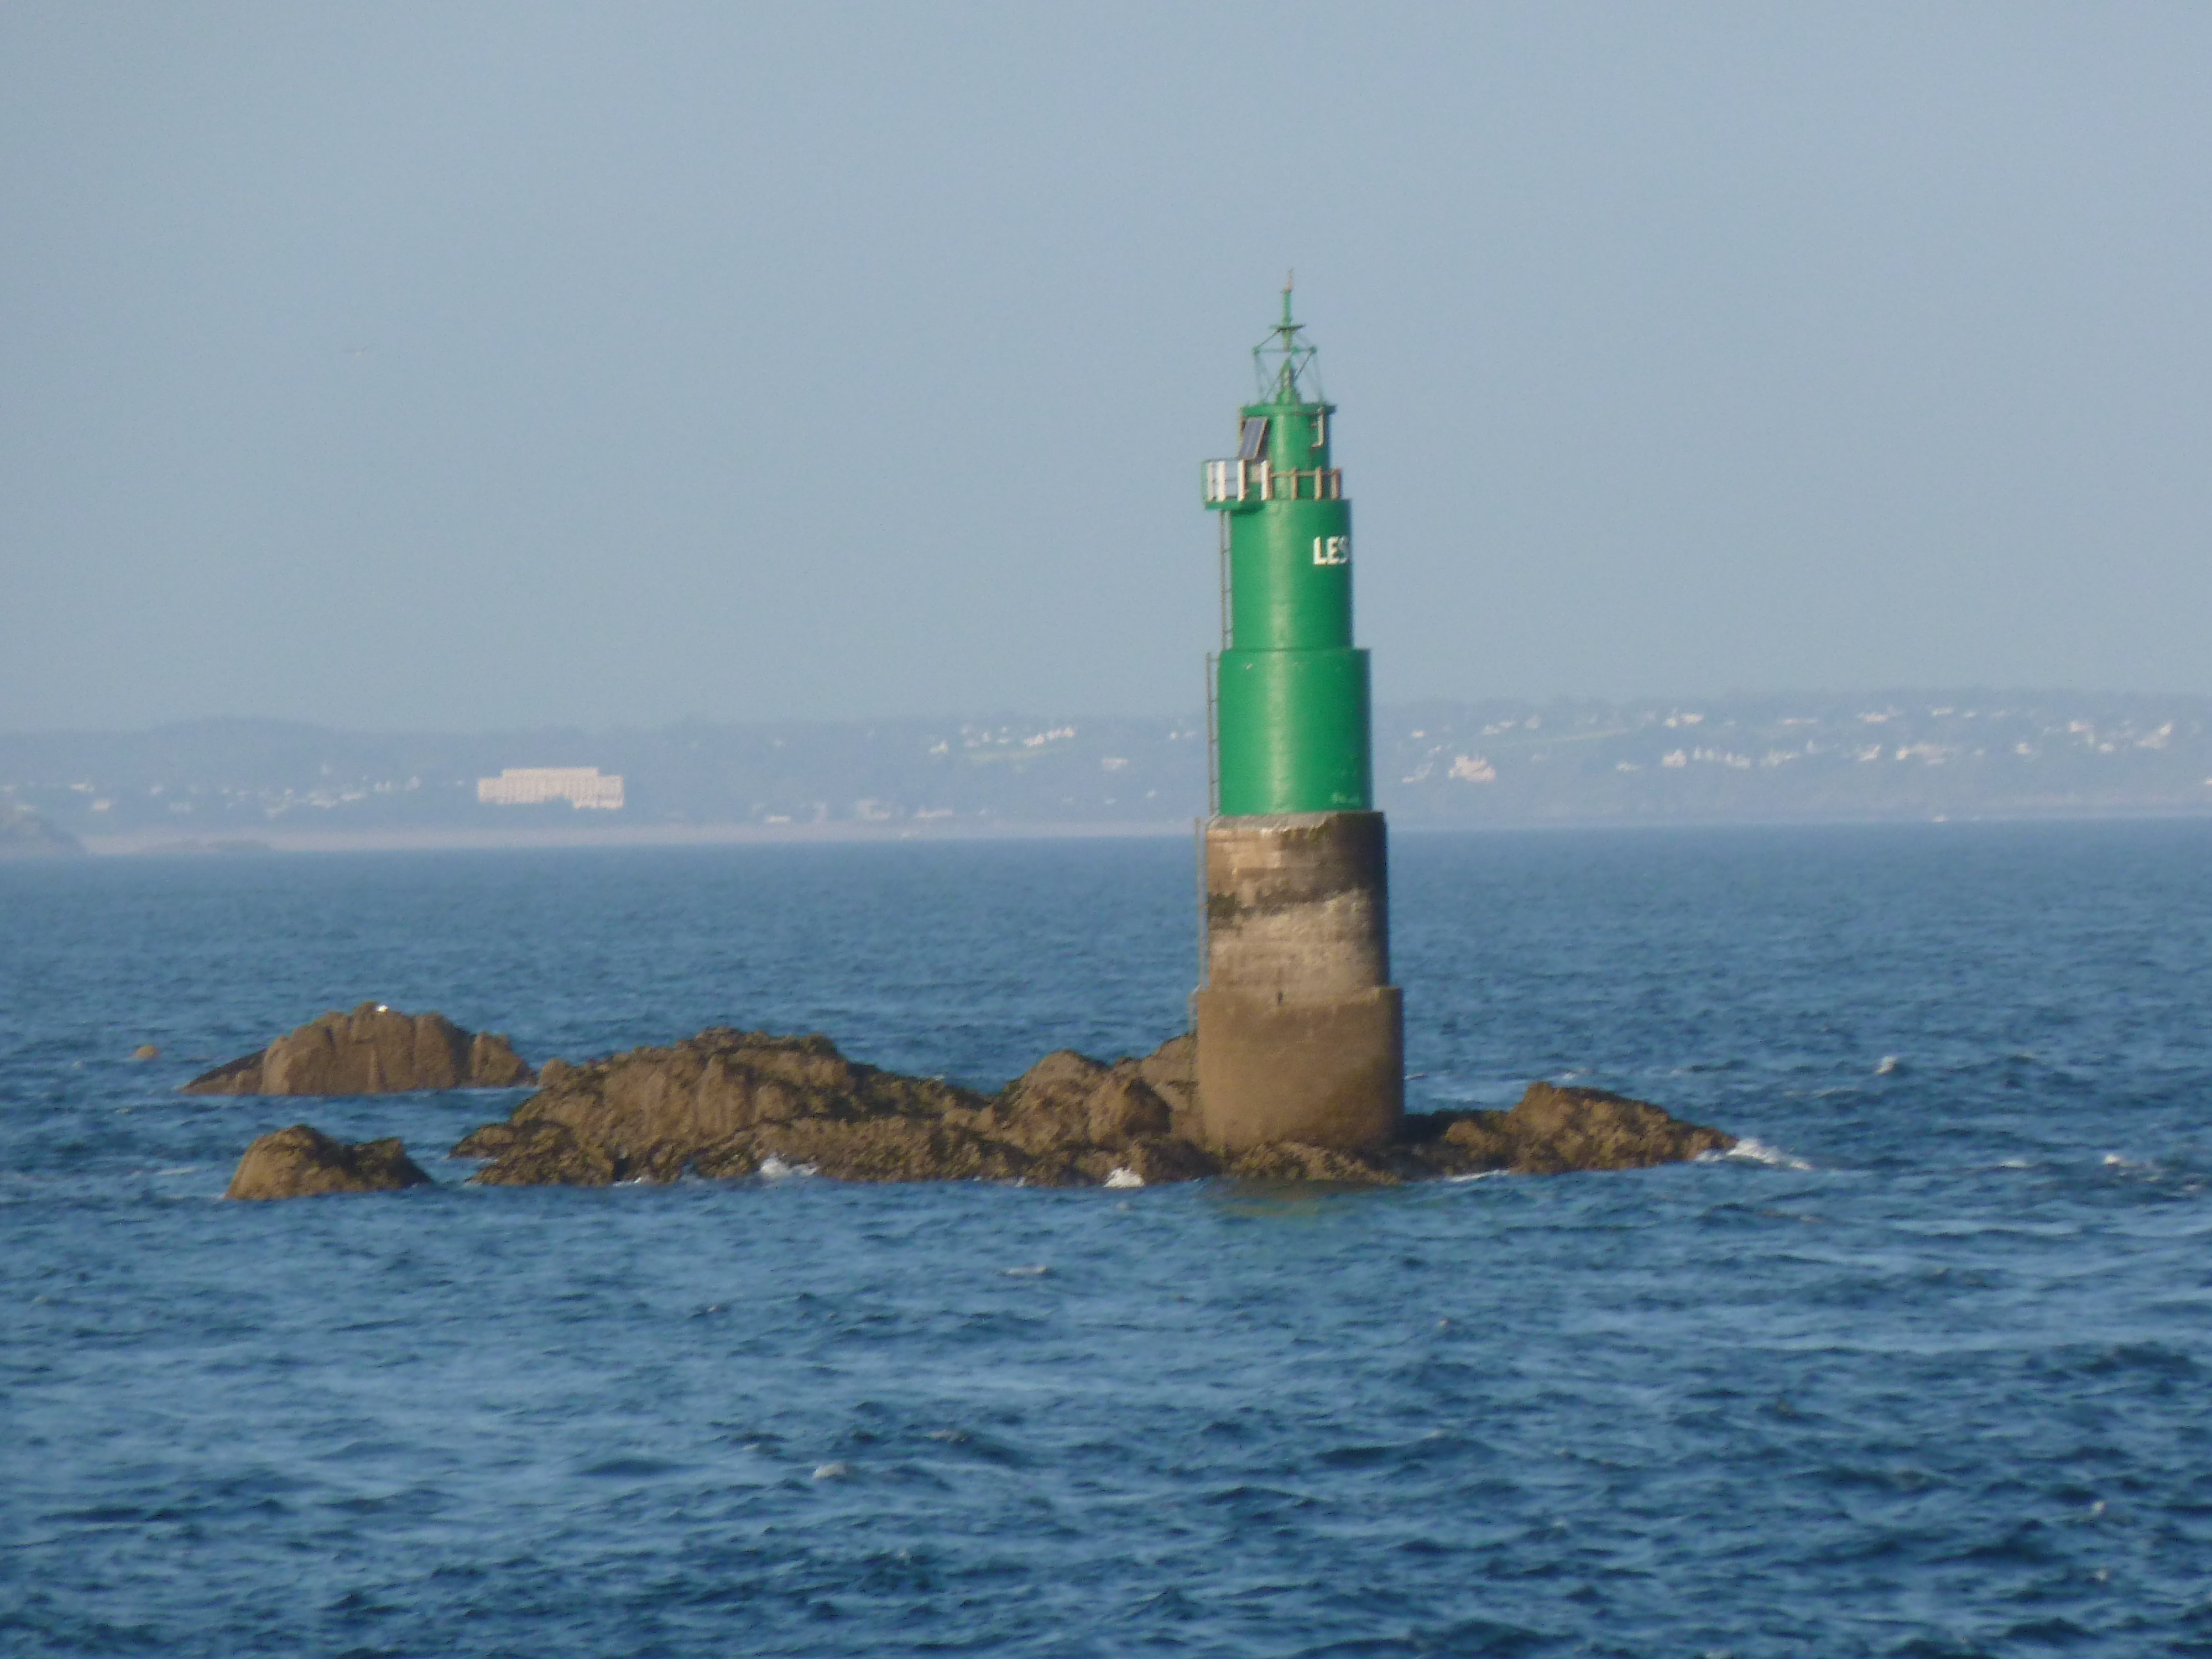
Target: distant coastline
(243, 786)
(641, 836)
(522, 838)
(24, 834)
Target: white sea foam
(1748, 1150)
(832, 1470)
(1124, 1177)
(1480, 1174)
(772, 1168)
(1035, 1270)
(1888, 1065)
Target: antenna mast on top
(1282, 358)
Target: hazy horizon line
(1049, 712)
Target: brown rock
(492, 1063)
(1067, 1102)
(1291, 1160)
(1553, 1130)
(373, 1050)
(486, 1140)
(241, 1076)
(1123, 1108)
(899, 1148)
(1591, 1129)
(725, 1102)
(542, 1155)
(301, 1162)
(1171, 1071)
(1478, 1144)
(1049, 1104)
(1161, 1159)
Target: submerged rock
(302, 1162)
(373, 1050)
(729, 1102)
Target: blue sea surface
(1925, 1369)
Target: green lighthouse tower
(1300, 1033)
(1291, 720)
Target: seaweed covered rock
(302, 1162)
(1553, 1130)
(1292, 1160)
(542, 1153)
(373, 1050)
(729, 1102)
(725, 1102)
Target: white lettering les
(1332, 550)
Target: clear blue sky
(461, 366)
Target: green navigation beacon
(1291, 709)
(1300, 1033)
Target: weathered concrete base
(1301, 1035)
(1322, 1073)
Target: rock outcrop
(1553, 1130)
(729, 1102)
(725, 1102)
(302, 1162)
(373, 1050)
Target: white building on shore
(533, 785)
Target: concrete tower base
(1300, 1035)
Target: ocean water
(1929, 1374)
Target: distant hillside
(241, 778)
(1898, 755)
(24, 834)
